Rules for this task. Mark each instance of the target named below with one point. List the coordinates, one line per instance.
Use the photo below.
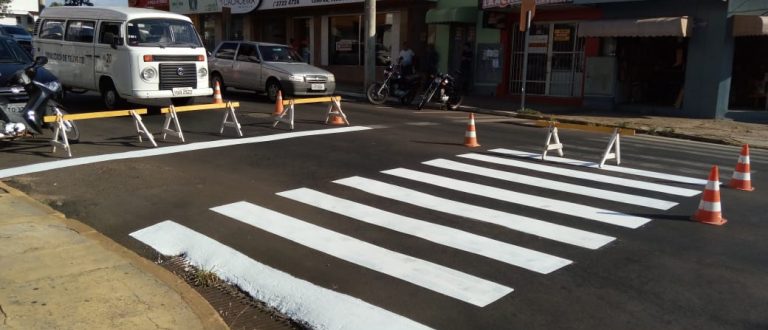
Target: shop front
(749, 86)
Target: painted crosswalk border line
(300, 300)
(612, 168)
(522, 224)
(443, 280)
(637, 184)
(511, 254)
(549, 204)
(609, 195)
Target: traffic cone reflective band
(278, 104)
(709, 211)
(470, 137)
(741, 179)
(217, 94)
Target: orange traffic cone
(278, 104)
(336, 120)
(217, 94)
(709, 211)
(470, 137)
(741, 179)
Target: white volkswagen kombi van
(123, 53)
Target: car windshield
(11, 52)
(161, 32)
(279, 54)
(15, 30)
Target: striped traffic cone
(741, 179)
(709, 211)
(217, 94)
(278, 104)
(470, 137)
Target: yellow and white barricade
(334, 115)
(172, 118)
(612, 151)
(60, 136)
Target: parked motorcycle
(17, 120)
(445, 88)
(403, 87)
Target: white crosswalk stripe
(585, 175)
(554, 185)
(301, 300)
(526, 225)
(650, 174)
(514, 255)
(553, 205)
(444, 280)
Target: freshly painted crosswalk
(612, 168)
(514, 255)
(423, 191)
(301, 300)
(554, 185)
(526, 225)
(548, 170)
(426, 274)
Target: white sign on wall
(240, 6)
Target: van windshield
(162, 32)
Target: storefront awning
(452, 15)
(744, 25)
(647, 27)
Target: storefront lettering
(275, 4)
(240, 6)
(284, 3)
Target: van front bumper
(144, 94)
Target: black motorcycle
(18, 120)
(445, 89)
(403, 87)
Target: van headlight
(296, 78)
(148, 73)
(202, 72)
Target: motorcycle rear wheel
(376, 97)
(454, 102)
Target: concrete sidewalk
(57, 273)
(738, 128)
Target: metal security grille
(170, 77)
(555, 60)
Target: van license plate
(16, 107)
(182, 91)
(318, 87)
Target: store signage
(152, 4)
(488, 4)
(562, 35)
(240, 6)
(282, 4)
(538, 44)
(195, 6)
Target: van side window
(227, 51)
(80, 31)
(52, 29)
(108, 32)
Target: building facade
(670, 57)
(22, 13)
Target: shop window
(346, 40)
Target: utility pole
(527, 10)
(370, 43)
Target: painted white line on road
(444, 280)
(626, 170)
(552, 205)
(514, 255)
(584, 175)
(423, 123)
(41, 167)
(298, 299)
(554, 185)
(526, 225)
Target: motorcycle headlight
(202, 72)
(296, 78)
(53, 85)
(148, 73)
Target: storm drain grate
(236, 307)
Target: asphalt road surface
(393, 221)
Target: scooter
(447, 89)
(16, 122)
(395, 83)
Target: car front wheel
(272, 88)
